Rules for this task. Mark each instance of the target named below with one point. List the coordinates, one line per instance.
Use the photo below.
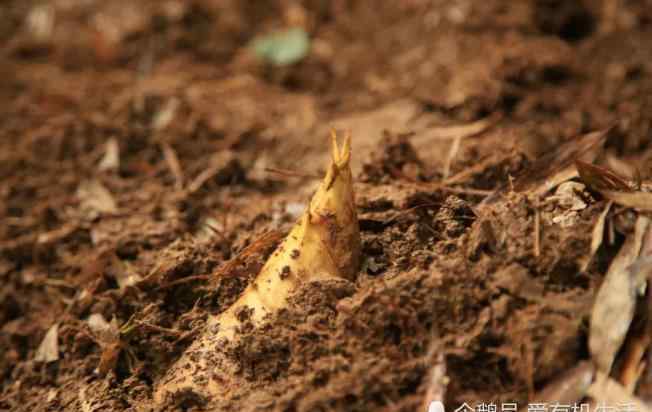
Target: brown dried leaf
(557, 166)
(86, 405)
(95, 198)
(172, 161)
(615, 302)
(608, 392)
(570, 387)
(636, 200)
(165, 116)
(597, 235)
(122, 272)
(48, 350)
(457, 131)
(103, 331)
(111, 158)
(109, 358)
(107, 335)
(600, 178)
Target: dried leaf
(48, 350)
(615, 302)
(103, 331)
(597, 235)
(40, 22)
(600, 178)
(555, 167)
(109, 358)
(55, 235)
(455, 147)
(633, 361)
(95, 199)
(173, 163)
(122, 272)
(455, 132)
(570, 387)
(86, 405)
(52, 395)
(111, 158)
(636, 200)
(606, 391)
(164, 117)
(107, 335)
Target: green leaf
(282, 48)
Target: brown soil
(154, 240)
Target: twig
(59, 283)
(465, 191)
(477, 168)
(455, 147)
(408, 210)
(537, 229)
(203, 177)
(173, 163)
(160, 329)
(451, 189)
(290, 173)
(459, 131)
(183, 280)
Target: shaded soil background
(136, 142)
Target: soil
(149, 164)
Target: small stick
(173, 163)
(289, 173)
(452, 153)
(466, 191)
(160, 329)
(183, 280)
(202, 178)
(537, 229)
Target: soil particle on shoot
(285, 273)
(295, 254)
(244, 313)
